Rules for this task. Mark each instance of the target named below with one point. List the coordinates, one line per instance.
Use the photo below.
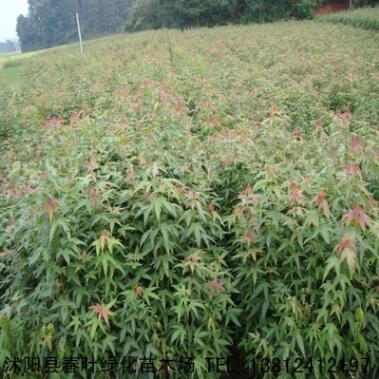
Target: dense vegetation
(195, 194)
(51, 23)
(367, 18)
(154, 14)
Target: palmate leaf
(59, 223)
(232, 315)
(170, 234)
(106, 241)
(103, 311)
(106, 261)
(66, 254)
(162, 203)
(300, 343)
(179, 333)
(350, 257)
(332, 263)
(158, 204)
(144, 210)
(196, 230)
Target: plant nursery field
(189, 196)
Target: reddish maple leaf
(357, 144)
(250, 236)
(102, 311)
(297, 134)
(193, 261)
(115, 210)
(91, 165)
(211, 208)
(236, 211)
(247, 190)
(318, 127)
(246, 193)
(53, 122)
(94, 195)
(345, 117)
(193, 195)
(215, 122)
(6, 253)
(321, 196)
(295, 192)
(357, 215)
(347, 252)
(74, 118)
(353, 170)
(139, 290)
(50, 207)
(215, 287)
(193, 258)
(247, 196)
(274, 110)
(320, 199)
(104, 238)
(346, 243)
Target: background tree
(52, 22)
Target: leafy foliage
(147, 14)
(220, 196)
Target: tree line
(154, 14)
(52, 22)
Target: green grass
(9, 76)
(14, 57)
(366, 18)
(11, 67)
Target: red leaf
(215, 287)
(295, 192)
(320, 199)
(353, 170)
(357, 144)
(357, 215)
(139, 290)
(346, 243)
(102, 311)
(53, 122)
(50, 207)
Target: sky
(9, 11)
